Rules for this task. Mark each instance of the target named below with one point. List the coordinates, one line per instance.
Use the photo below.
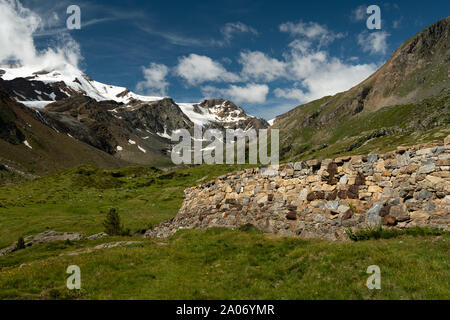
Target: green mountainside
(405, 102)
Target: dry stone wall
(321, 198)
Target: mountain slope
(37, 88)
(113, 119)
(415, 77)
(28, 144)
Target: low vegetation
(193, 264)
(78, 199)
(225, 264)
(378, 232)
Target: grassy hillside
(212, 264)
(303, 136)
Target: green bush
(20, 244)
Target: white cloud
(291, 94)
(228, 32)
(176, 39)
(259, 66)
(155, 80)
(300, 45)
(313, 73)
(196, 69)
(318, 75)
(17, 28)
(310, 30)
(359, 14)
(251, 93)
(375, 42)
(231, 28)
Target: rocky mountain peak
(228, 115)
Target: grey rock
(344, 179)
(349, 223)
(372, 158)
(333, 205)
(319, 218)
(446, 200)
(263, 200)
(404, 159)
(400, 213)
(50, 236)
(303, 195)
(422, 195)
(343, 209)
(373, 219)
(423, 152)
(298, 166)
(426, 169)
(429, 206)
(97, 236)
(373, 216)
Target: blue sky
(267, 56)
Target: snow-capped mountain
(113, 119)
(70, 80)
(36, 87)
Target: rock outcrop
(44, 237)
(321, 198)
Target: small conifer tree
(112, 224)
(20, 244)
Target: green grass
(381, 131)
(78, 199)
(378, 232)
(193, 264)
(225, 264)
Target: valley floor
(193, 264)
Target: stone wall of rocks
(321, 198)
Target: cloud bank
(308, 68)
(196, 69)
(251, 93)
(17, 28)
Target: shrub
(112, 224)
(20, 244)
